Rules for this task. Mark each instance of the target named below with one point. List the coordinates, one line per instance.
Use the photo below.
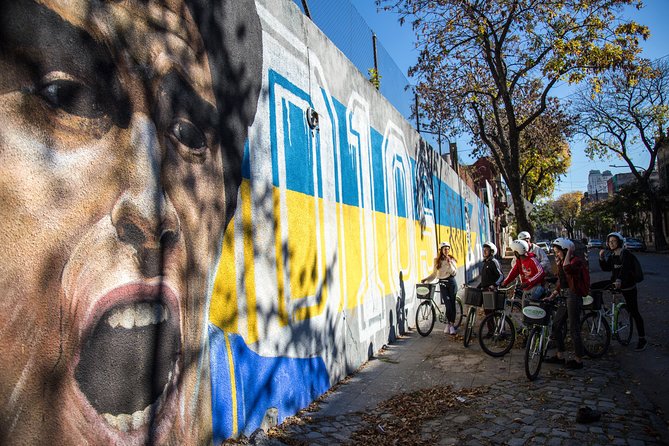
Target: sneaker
(641, 345)
(573, 364)
(555, 360)
(452, 330)
(447, 329)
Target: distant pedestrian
(573, 283)
(619, 261)
(445, 268)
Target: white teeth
(125, 422)
(138, 315)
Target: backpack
(638, 272)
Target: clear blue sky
(399, 42)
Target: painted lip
(163, 414)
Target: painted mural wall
(209, 217)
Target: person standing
(445, 269)
(491, 275)
(572, 284)
(619, 261)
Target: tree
(544, 220)
(566, 209)
(480, 61)
(596, 219)
(630, 113)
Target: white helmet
(563, 243)
(520, 247)
(492, 247)
(442, 244)
(524, 235)
(618, 235)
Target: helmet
(442, 244)
(563, 243)
(524, 235)
(618, 235)
(520, 247)
(492, 247)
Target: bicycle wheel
(596, 335)
(425, 316)
(458, 313)
(496, 334)
(469, 328)
(624, 325)
(534, 353)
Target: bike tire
(596, 335)
(469, 327)
(624, 325)
(534, 354)
(425, 316)
(497, 342)
(458, 313)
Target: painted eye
(72, 97)
(189, 135)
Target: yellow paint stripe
(249, 265)
(233, 387)
(224, 308)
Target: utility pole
(305, 6)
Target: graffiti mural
(123, 127)
(209, 218)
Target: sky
(399, 42)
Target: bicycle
(426, 314)
(596, 327)
(539, 318)
(473, 298)
(497, 332)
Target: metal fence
(347, 29)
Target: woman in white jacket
(445, 269)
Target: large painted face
(113, 206)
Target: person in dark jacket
(571, 282)
(491, 275)
(618, 260)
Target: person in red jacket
(572, 283)
(528, 268)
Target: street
(432, 390)
(650, 367)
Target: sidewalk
(474, 400)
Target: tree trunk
(522, 222)
(658, 230)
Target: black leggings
(632, 302)
(572, 312)
(447, 290)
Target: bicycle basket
(493, 300)
(424, 290)
(593, 301)
(473, 297)
(535, 315)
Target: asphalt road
(650, 367)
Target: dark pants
(632, 302)
(447, 289)
(572, 312)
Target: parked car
(544, 246)
(594, 243)
(634, 244)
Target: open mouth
(130, 359)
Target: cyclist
(491, 275)
(622, 278)
(571, 279)
(445, 269)
(541, 255)
(528, 268)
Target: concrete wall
(182, 255)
